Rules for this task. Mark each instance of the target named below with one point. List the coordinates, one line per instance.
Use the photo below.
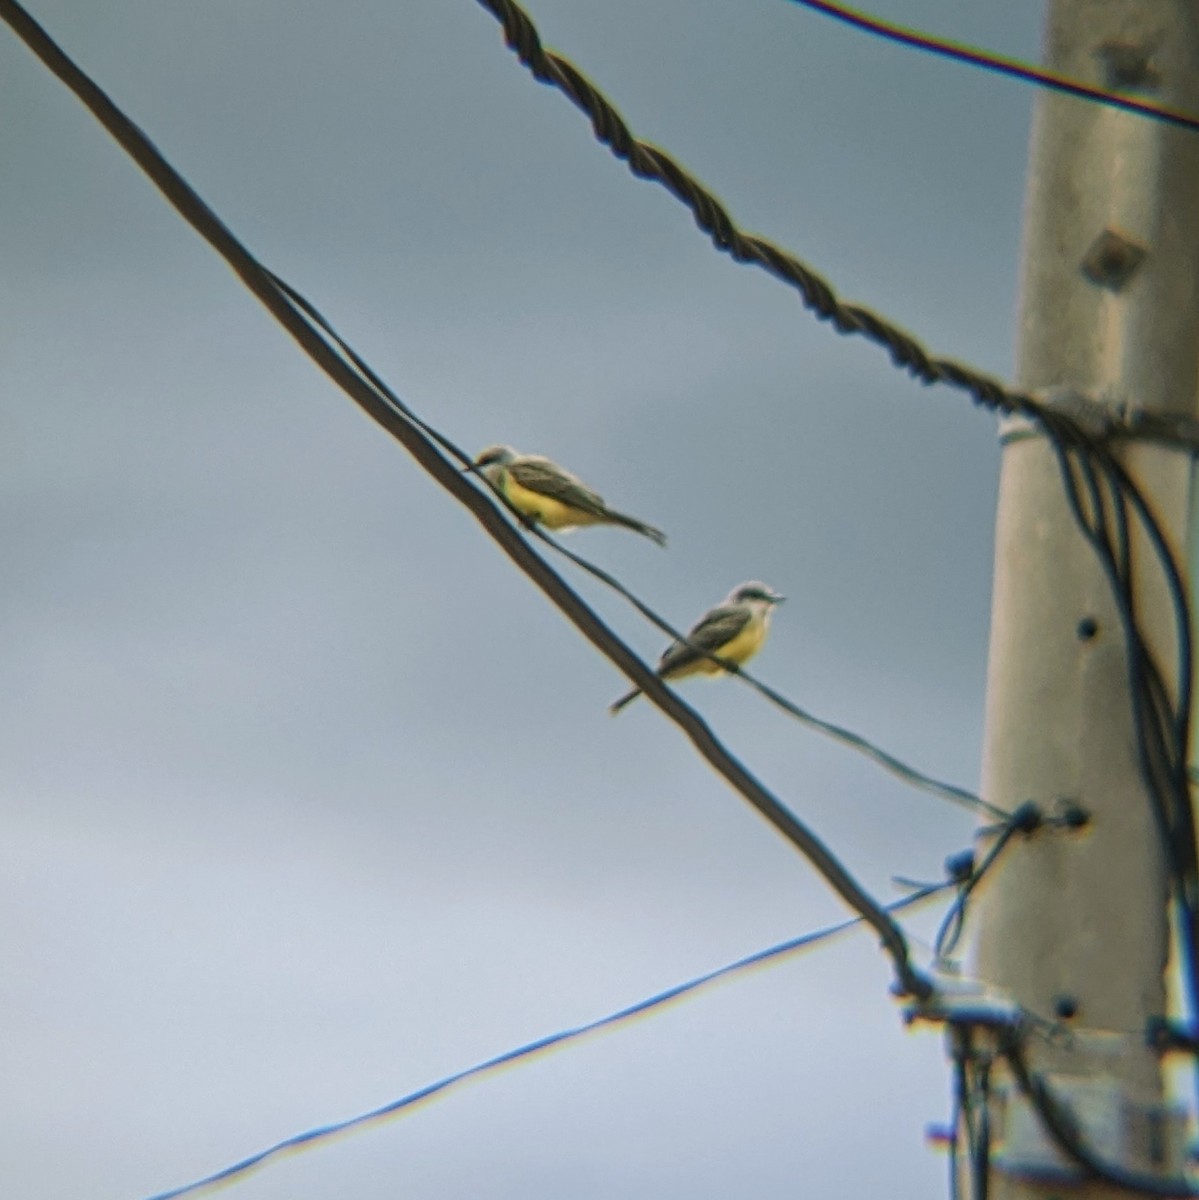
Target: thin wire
(920, 780)
(959, 1090)
(905, 353)
(981, 1158)
(1161, 730)
(649, 162)
(1026, 819)
(773, 954)
(855, 741)
(425, 451)
(999, 63)
(964, 1112)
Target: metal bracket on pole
(961, 1002)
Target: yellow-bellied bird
(544, 492)
(735, 630)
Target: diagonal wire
(1167, 731)
(425, 451)
(774, 954)
(847, 737)
(1001, 64)
(650, 162)
(1026, 819)
(1059, 1121)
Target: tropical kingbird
(735, 630)
(544, 492)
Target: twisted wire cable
(1160, 735)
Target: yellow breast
(553, 514)
(740, 650)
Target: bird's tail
(650, 531)
(627, 698)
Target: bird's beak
(471, 466)
(777, 599)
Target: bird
(734, 630)
(543, 492)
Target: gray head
(495, 456)
(756, 593)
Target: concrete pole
(1074, 925)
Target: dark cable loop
(909, 355)
(1000, 64)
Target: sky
(308, 797)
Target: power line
(1001, 64)
(1061, 1125)
(1162, 727)
(412, 435)
(847, 737)
(774, 954)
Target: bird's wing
(546, 478)
(714, 629)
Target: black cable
(963, 1116)
(999, 63)
(889, 762)
(981, 1158)
(414, 439)
(848, 318)
(1060, 1124)
(1027, 819)
(652, 163)
(309, 1138)
(972, 1111)
(955, 1132)
(1161, 728)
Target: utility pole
(1073, 924)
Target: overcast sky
(309, 798)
